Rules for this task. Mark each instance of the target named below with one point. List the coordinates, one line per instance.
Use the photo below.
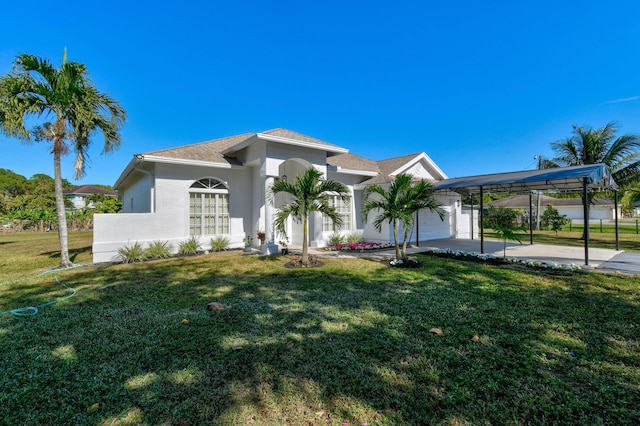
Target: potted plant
(248, 240)
(285, 246)
(261, 237)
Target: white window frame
(212, 218)
(347, 216)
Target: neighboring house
(79, 195)
(601, 208)
(221, 188)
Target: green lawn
(347, 342)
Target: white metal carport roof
(584, 178)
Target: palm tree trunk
(305, 239)
(395, 239)
(63, 234)
(405, 236)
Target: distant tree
(107, 205)
(551, 218)
(398, 204)
(310, 193)
(36, 88)
(11, 184)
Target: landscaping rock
(215, 306)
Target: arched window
(208, 207)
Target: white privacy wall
(170, 221)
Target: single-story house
(221, 187)
(79, 195)
(600, 208)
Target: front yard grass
(347, 342)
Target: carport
(564, 179)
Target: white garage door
(430, 227)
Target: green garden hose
(32, 310)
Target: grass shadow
(348, 342)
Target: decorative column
(268, 209)
(269, 247)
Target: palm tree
(310, 194)
(399, 204)
(600, 146)
(66, 94)
(631, 196)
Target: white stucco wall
(595, 212)
(170, 222)
(137, 195)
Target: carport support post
(481, 220)
(471, 221)
(585, 212)
(615, 208)
(530, 217)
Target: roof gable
(418, 164)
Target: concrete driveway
(600, 260)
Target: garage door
(430, 227)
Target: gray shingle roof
(211, 151)
(353, 162)
(204, 151)
(289, 134)
(390, 165)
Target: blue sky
(481, 87)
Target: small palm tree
(399, 204)
(310, 193)
(77, 108)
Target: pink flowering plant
(311, 261)
(359, 247)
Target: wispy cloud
(617, 101)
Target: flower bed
(359, 247)
(458, 254)
(311, 262)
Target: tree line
(30, 205)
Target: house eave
(344, 171)
(187, 162)
(139, 159)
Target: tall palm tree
(399, 203)
(600, 146)
(310, 193)
(36, 88)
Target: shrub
(132, 253)
(354, 238)
(158, 250)
(220, 243)
(189, 247)
(336, 239)
(553, 219)
(501, 216)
